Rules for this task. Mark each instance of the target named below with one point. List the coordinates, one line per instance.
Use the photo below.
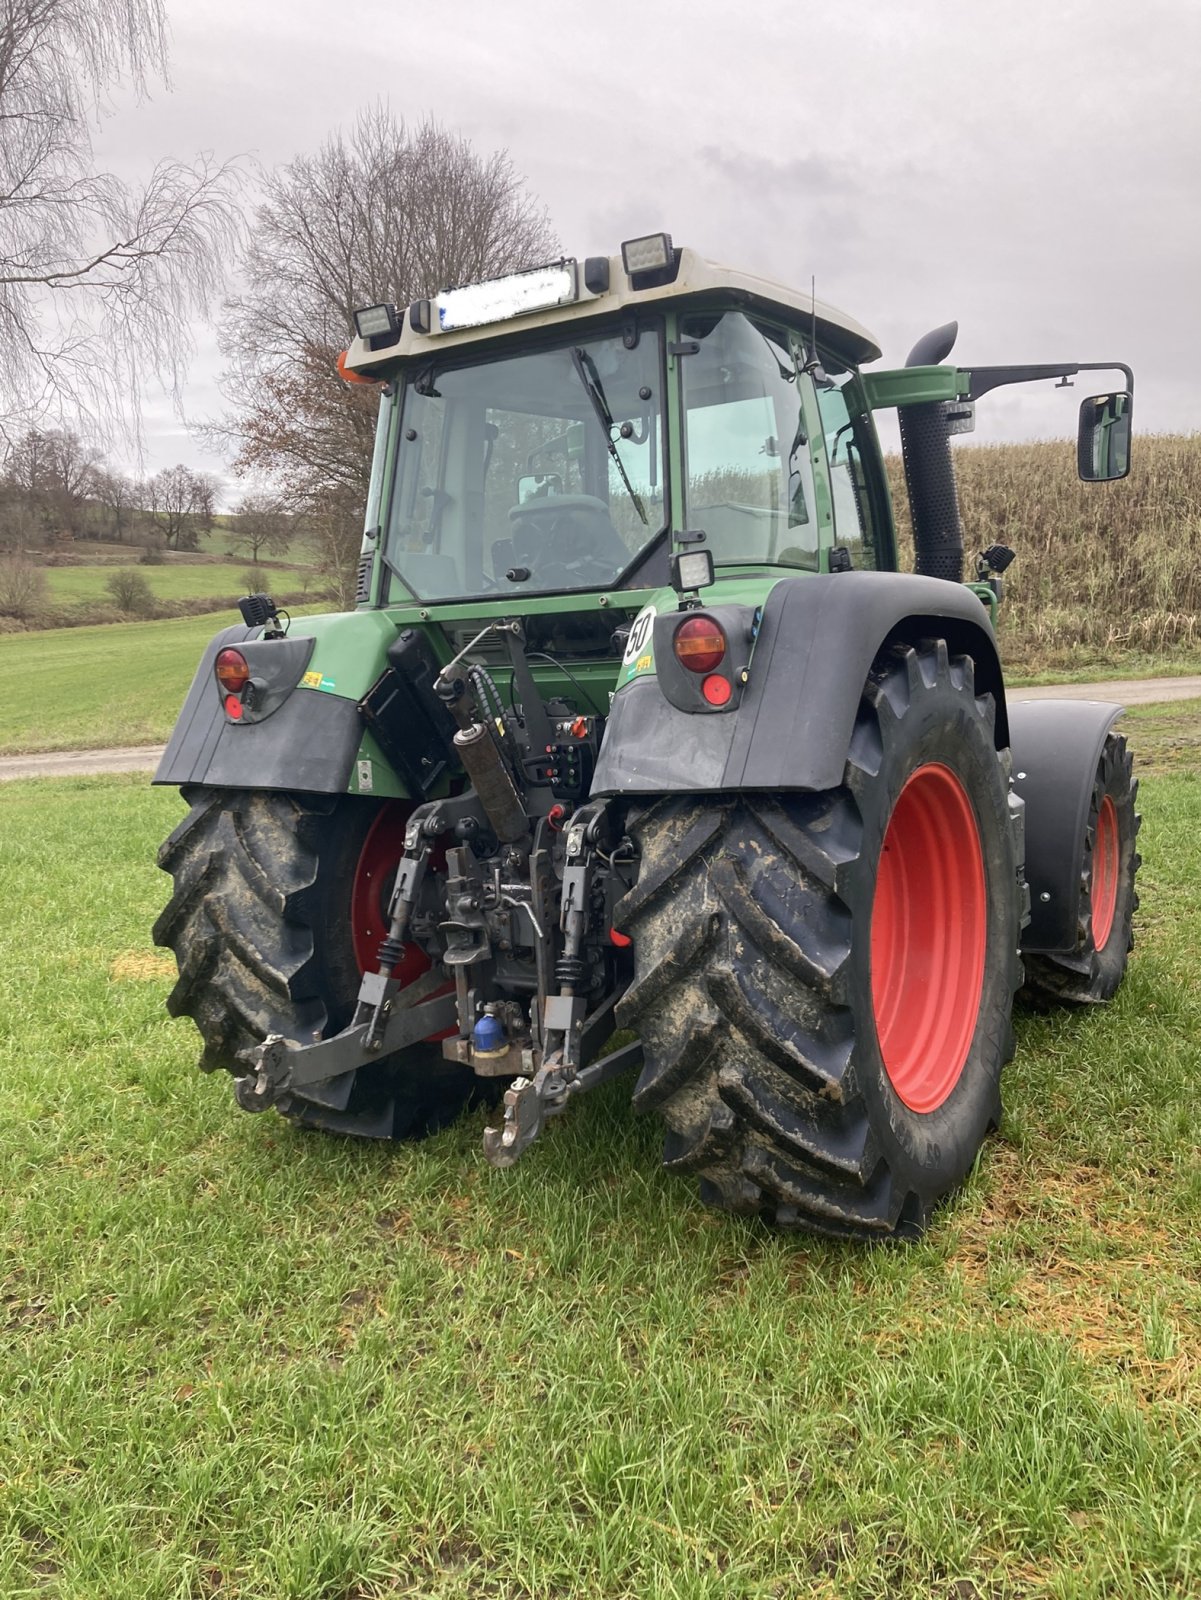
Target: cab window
(861, 520)
(749, 478)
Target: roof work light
(372, 322)
(651, 253)
(517, 294)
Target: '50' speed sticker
(640, 634)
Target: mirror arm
(982, 379)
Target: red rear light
(233, 671)
(233, 708)
(717, 691)
(699, 644)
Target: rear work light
(233, 671)
(699, 644)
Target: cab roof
(695, 279)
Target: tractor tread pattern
(243, 922)
(740, 998)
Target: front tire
(1092, 972)
(823, 982)
(260, 922)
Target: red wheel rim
(374, 877)
(929, 934)
(1104, 886)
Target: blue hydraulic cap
(488, 1035)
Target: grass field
(241, 1361)
(92, 688)
(71, 585)
(88, 688)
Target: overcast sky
(1032, 169)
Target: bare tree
(25, 474)
(175, 498)
(97, 278)
(381, 212)
(52, 472)
(205, 490)
(71, 466)
(118, 494)
(261, 526)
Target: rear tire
(1092, 973)
(770, 964)
(260, 924)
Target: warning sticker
(317, 680)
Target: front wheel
(277, 906)
(1092, 972)
(824, 982)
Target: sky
(1031, 169)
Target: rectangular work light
(516, 295)
(372, 321)
(651, 253)
(692, 569)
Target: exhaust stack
(929, 470)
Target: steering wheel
(556, 538)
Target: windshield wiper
(586, 369)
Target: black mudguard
(791, 726)
(304, 741)
(1056, 745)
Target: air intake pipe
(929, 470)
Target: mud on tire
(259, 922)
(1092, 972)
(753, 988)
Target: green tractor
(638, 752)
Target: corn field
(1103, 571)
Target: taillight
(233, 671)
(699, 644)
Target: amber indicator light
(233, 671)
(699, 644)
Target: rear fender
(304, 741)
(1056, 745)
(791, 726)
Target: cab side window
(861, 523)
(746, 446)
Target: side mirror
(538, 486)
(1103, 444)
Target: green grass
(89, 688)
(243, 1361)
(71, 585)
(1172, 663)
(1165, 738)
(92, 688)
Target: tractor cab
(529, 448)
